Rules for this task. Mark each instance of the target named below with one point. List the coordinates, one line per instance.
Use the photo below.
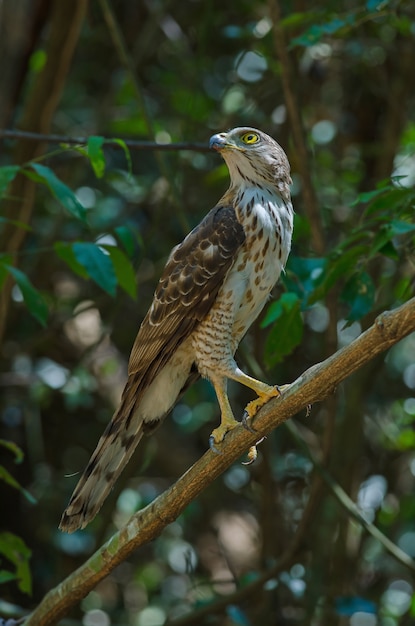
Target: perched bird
(214, 285)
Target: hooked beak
(220, 142)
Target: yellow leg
(265, 392)
(227, 421)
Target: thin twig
(132, 144)
(348, 504)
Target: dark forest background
(86, 227)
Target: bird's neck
(243, 195)
(263, 201)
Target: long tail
(112, 453)
(119, 441)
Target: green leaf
(98, 265)
(62, 192)
(382, 241)
(31, 296)
(302, 276)
(336, 24)
(123, 270)
(6, 477)
(287, 333)
(359, 294)
(376, 5)
(96, 155)
(82, 150)
(127, 154)
(7, 174)
(14, 549)
(6, 577)
(367, 196)
(14, 449)
(127, 238)
(339, 268)
(390, 251)
(237, 615)
(294, 20)
(313, 34)
(406, 440)
(66, 253)
(38, 60)
(392, 199)
(276, 309)
(399, 227)
(403, 289)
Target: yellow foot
(219, 433)
(253, 407)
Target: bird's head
(253, 158)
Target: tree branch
(131, 143)
(310, 199)
(314, 385)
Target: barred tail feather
(143, 407)
(112, 453)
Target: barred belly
(248, 284)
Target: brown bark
(65, 22)
(311, 207)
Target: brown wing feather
(187, 289)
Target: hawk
(214, 285)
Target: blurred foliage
(104, 220)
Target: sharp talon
(308, 410)
(212, 445)
(245, 423)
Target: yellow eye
(250, 138)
